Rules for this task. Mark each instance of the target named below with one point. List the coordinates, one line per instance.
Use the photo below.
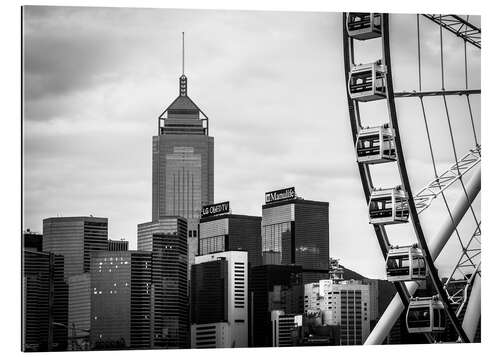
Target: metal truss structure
(458, 26)
(425, 196)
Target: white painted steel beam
(436, 245)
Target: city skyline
(276, 117)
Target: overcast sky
(272, 84)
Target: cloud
(272, 83)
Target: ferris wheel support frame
(473, 311)
(396, 307)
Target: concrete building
(219, 300)
(284, 326)
(166, 239)
(45, 302)
(231, 232)
(346, 304)
(121, 296)
(183, 164)
(296, 231)
(75, 238)
(273, 287)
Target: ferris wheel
(455, 301)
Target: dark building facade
(166, 239)
(45, 302)
(183, 164)
(121, 295)
(231, 232)
(75, 238)
(296, 231)
(209, 286)
(117, 245)
(273, 287)
(32, 241)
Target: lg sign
(280, 195)
(215, 209)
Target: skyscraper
(226, 232)
(346, 304)
(75, 238)
(79, 310)
(219, 300)
(183, 163)
(296, 231)
(121, 300)
(167, 241)
(45, 302)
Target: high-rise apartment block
(346, 304)
(219, 300)
(75, 238)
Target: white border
(10, 168)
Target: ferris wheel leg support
(473, 312)
(396, 307)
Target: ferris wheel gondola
(364, 25)
(425, 315)
(405, 264)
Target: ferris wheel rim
(366, 177)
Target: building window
(212, 245)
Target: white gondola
(376, 145)
(364, 25)
(425, 315)
(405, 264)
(367, 82)
(388, 206)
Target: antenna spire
(182, 52)
(183, 79)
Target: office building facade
(75, 238)
(346, 304)
(79, 310)
(166, 239)
(296, 231)
(117, 245)
(231, 232)
(32, 241)
(45, 302)
(183, 164)
(219, 300)
(284, 326)
(273, 287)
(121, 296)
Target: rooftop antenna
(183, 52)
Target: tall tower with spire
(183, 162)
